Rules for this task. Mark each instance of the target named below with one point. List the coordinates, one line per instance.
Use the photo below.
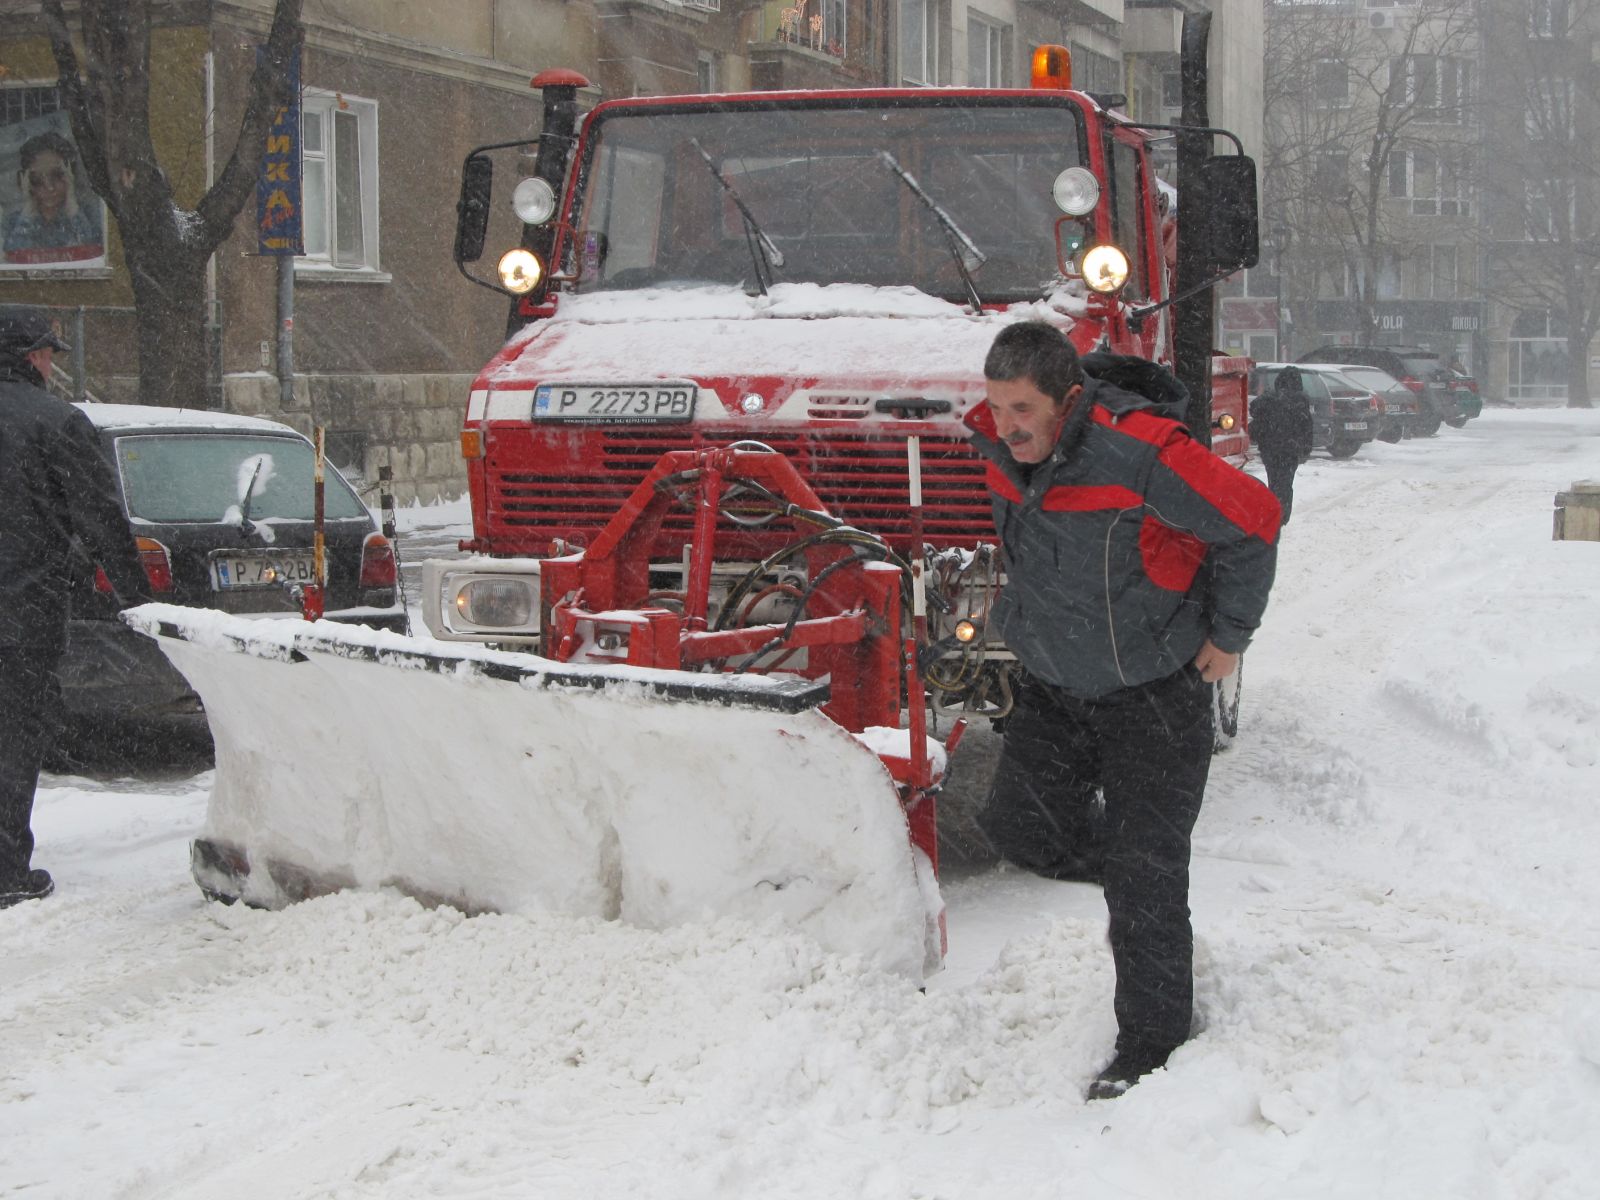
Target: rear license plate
(615, 403)
(254, 570)
(1355, 424)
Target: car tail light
(1472, 386)
(1415, 384)
(157, 563)
(1375, 402)
(377, 562)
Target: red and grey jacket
(1127, 548)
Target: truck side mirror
(1227, 204)
(472, 209)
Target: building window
(1551, 210)
(1330, 83)
(706, 72)
(1331, 174)
(1436, 186)
(1093, 72)
(1548, 19)
(339, 155)
(1444, 272)
(1549, 112)
(987, 60)
(1438, 87)
(835, 19)
(919, 41)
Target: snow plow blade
(496, 781)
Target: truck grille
(860, 478)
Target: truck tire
(1455, 422)
(1343, 449)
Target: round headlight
(1225, 422)
(1076, 191)
(534, 201)
(520, 271)
(1105, 268)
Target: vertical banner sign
(278, 223)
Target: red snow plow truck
(730, 545)
(819, 274)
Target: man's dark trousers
(1148, 749)
(30, 699)
(1280, 478)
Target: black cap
(25, 328)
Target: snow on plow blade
(495, 781)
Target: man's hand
(1214, 664)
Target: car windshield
(171, 478)
(814, 178)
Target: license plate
(615, 403)
(1355, 424)
(251, 570)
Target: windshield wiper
(246, 525)
(962, 248)
(763, 253)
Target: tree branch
(269, 91)
(87, 130)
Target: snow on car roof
(143, 416)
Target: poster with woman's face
(50, 219)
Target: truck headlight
(495, 603)
(1076, 191)
(1105, 268)
(534, 201)
(520, 271)
(481, 599)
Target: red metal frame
(598, 609)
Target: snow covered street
(1397, 918)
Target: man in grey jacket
(1137, 567)
(58, 500)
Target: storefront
(1454, 329)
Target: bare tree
(1544, 231)
(166, 247)
(1344, 101)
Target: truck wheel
(1343, 449)
(1455, 422)
(1427, 422)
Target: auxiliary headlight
(1105, 268)
(1076, 191)
(534, 201)
(520, 271)
(498, 603)
(1226, 422)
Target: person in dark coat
(1137, 569)
(58, 499)
(1280, 427)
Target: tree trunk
(169, 289)
(1578, 374)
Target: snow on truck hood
(701, 332)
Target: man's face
(41, 360)
(1028, 421)
(47, 183)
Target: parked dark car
(222, 506)
(1344, 417)
(1421, 370)
(1400, 405)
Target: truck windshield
(811, 174)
